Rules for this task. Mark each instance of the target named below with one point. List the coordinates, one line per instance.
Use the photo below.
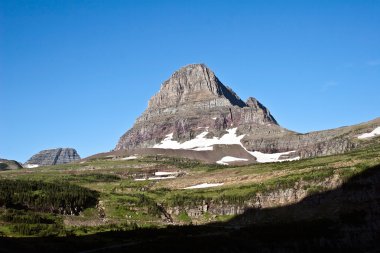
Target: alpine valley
(201, 170)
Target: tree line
(57, 197)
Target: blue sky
(78, 73)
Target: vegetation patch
(59, 197)
(184, 217)
(27, 223)
(93, 178)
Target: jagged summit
(254, 103)
(191, 100)
(195, 112)
(193, 83)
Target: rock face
(9, 165)
(190, 101)
(52, 157)
(193, 101)
(271, 199)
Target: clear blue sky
(78, 73)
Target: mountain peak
(190, 101)
(255, 104)
(195, 69)
(52, 157)
(192, 83)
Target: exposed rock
(53, 157)
(271, 199)
(193, 100)
(9, 165)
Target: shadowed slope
(346, 219)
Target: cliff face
(192, 100)
(193, 104)
(193, 83)
(52, 157)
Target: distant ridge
(53, 157)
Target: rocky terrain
(193, 104)
(53, 157)
(192, 100)
(9, 164)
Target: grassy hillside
(101, 194)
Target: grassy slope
(125, 204)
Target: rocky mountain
(52, 157)
(193, 110)
(192, 100)
(9, 165)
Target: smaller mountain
(52, 157)
(9, 165)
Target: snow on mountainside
(201, 143)
(194, 111)
(375, 132)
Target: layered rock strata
(194, 102)
(53, 157)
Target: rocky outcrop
(193, 100)
(53, 157)
(270, 199)
(193, 83)
(190, 101)
(9, 165)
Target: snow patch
(225, 160)
(165, 173)
(375, 132)
(30, 166)
(159, 175)
(132, 157)
(203, 148)
(214, 118)
(275, 157)
(161, 178)
(154, 178)
(204, 185)
(200, 142)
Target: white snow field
(160, 175)
(154, 178)
(132, 157)
(275, 157)
(204, 185)
(139, 179)
(375, 132)
(164, 173)
(161, 178)
(30, 166)
(225, 160)
(200, 143)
